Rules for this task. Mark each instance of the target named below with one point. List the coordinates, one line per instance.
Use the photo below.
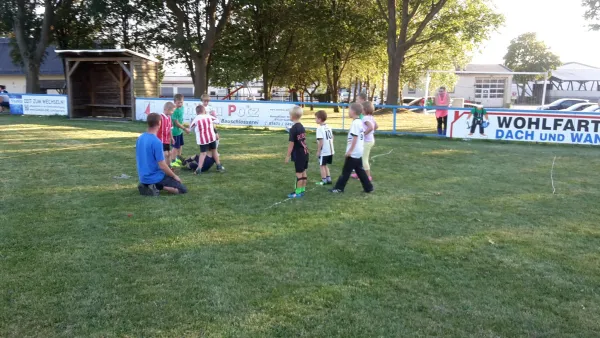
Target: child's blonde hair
(178, 97)
(296, 112)
(368, 108)
(205, 97)
(169, 106)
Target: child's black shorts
(206, 147)
(166, 147)
(325, 160)
(301, 163)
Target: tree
(592, 13)
(30, 24)
(528, 54)
(231, 61)
(422, 22)
(198, 27)
(341, 31)
(270, 25)
(131, 24)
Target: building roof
(589, 74)
(103, 53)
(52, 64)
(576, 65)
(489, 68)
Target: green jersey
(177, 116)
(478, 113)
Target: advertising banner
(256, 114)
(32, 104)
(529, 126)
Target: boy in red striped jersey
(206, 137)
(165, 134)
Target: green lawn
(460, 239)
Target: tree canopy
(592, 13)
(528, 54)
(306, 45)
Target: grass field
(460, 239)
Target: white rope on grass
(382, 154)
(285, 200)
(552, 176)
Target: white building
(487, 84)
(574, 80)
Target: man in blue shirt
(153, 171)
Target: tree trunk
(33, 78)
(266, 89)
(356, 85)
(373, 93)
(200, 75)
(393, 82)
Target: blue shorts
(178, 141)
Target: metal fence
(396, 120)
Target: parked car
(420, 102)
(407, 100)
(593, 108)
(561, 104)
(579, 106)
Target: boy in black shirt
(298, 152)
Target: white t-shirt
(324, 133)
(356, 130)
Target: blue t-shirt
(148, 152)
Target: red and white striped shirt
(164, 133)
(204, 128)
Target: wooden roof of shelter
(105, 82)
(103, 53)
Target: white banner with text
(256, 114)
(38, 104)
(528, 126)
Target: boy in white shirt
(354, 152)
(325, 149)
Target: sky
(559, 23)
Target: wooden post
(132, 86)
(92, 90)
(69, 88)
(121, 87)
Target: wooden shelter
(104, 83)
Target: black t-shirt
(298, 136)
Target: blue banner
(16, 104)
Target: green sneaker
(176, 164)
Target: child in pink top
(442, 99)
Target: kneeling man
(153, 170)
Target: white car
(579, 106)
(592, 108)
(561, 104)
